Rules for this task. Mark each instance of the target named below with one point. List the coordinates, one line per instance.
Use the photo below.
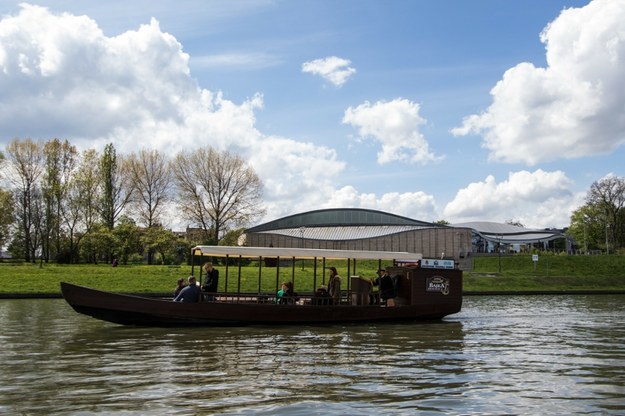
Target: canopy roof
(510, 234)
(304, 253)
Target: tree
(607, 196)
(217, 190)
(25, 161)
(116, 187)
(80, 211)
(60, 163)
(151, 178)
(6, 216)
(126, 239)
(163, 242)
(6, 211)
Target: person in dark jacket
(191, 293)
(387, 287)
(211, 280)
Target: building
(362, 229)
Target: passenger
(191, 293)
(179, 286)
(321, 296)
(211, 280)
(374, 291)
(334, 286)
(289, 295)
(280, 296)
(387, 287)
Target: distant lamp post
(499, 249)
(607, 247)
(301, 234)
(585, 218)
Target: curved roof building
(361, 229)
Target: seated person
(179, 286)
(289, 295)
(322, 297)
(280, 295)
(191, 293)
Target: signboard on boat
(437, 264)
(438, 284)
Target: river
(530, 355)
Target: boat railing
(306, 298)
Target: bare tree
(151, 178)
(80, 212)
(25, 161)
(217, 190)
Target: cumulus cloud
(537, 199)
(60, 76)
(417, 205)
(573, 107)
(333, 69)
(395, 125)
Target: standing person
(334, 286)
(191, 293)
(211, 280)
(387, 287)
(179, 286)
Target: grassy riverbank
(518, 274)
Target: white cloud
(395, 125)
(537, 199)
(333, 69)
(572, 108)
(418, 205)
(60, 76)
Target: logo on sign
(437, 284)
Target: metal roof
(338, 217)
(508, 233)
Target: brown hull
(136, 310)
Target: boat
(422, 293)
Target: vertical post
(499, 249)
(607, 247)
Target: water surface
(500, 355)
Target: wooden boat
(422, 293)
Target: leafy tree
(217, 190)
(442, 222)
(60, 163)
(96, 245)
(607, 196)
(151, 178)
(232, 237)
(126, 239)
(116, 189)
(163, 242)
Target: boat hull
(144, 311)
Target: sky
(448, 110)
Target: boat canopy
(303, 253)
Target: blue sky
(457, 110)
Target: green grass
(26, 278)
(552, 273)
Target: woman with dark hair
(334, 286)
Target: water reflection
(501, 355)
